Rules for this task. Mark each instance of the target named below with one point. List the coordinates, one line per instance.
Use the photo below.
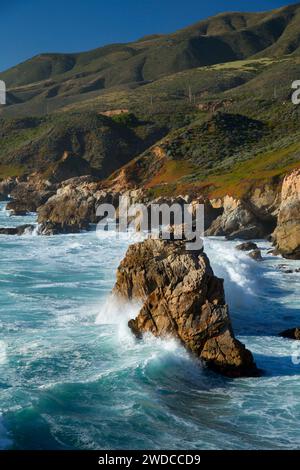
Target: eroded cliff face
(182, 298)
(73, 207)
(287, 233)
(240, 219)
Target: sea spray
(118, 312)
(70, 383)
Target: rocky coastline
(70, 206)
(180, 295)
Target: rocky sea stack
(182, 298)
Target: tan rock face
(72, 208)
(238, 221)
(182, 298)
(287, 233)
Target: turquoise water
(73, 377)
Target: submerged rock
(287, 234)
(256, 255)
(293, 333)
(247, 246)
(20, 230)
(183, 299)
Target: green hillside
(213, 98)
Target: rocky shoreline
(180, 295)
(70, 207)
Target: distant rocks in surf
(20, 230)
(256, 255)
(27, 197)
(182, 298)
(287, 269)
(293, 333)
(252, 250)
(247, 246)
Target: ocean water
(73, 377)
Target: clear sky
(29, 27)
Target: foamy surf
(74, 377)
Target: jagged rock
(287, 270)
(247, 246)
(182, 298)
(293, 333)
(287, 234)
(256, 255)
(20, 230)
(6, 187)
(27, 197)
(72, 208)
(238, 221)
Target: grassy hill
(50, 81)
(211, 104)
(98, 144)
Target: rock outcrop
(247, 246)
(287, 234)
(20, 230)
(293, 333)
(6, 187)
(182, 298)
(28, 196)
(73, 207)
(239, 221)
(255, 255)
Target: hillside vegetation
(207, 108)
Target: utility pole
(190, 94)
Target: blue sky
(29, 27)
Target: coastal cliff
(287, 234)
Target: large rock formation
(27, 196)
(182, 298)
(6, 187)
(239, 220)
(287, 234)
(73, 207)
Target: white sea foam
(117, 312)
(67, 336)
(3, 353)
